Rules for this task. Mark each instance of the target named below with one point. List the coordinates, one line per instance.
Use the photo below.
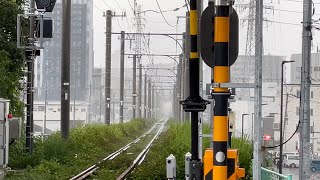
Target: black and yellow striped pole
(221, 95)
(194, 103)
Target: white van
(286, 153)
(291, 161)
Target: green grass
(113, 169)
(177, 142)
(59, 159)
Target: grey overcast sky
(282, 26)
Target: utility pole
(145, 96)
(140, 91)
(152, 101)
(90, 102)
(45, 112)
(138, 42)
(179, 84)
(186, 68)
(149, 99)
(175, 98)
(30, 82)
(285, 120)
(122, 76)
(281, 116)
(108, 67)
(74, 105)
(134, 86)
(182, 73)
(304, 115)
(257, 152)
(156, 104)
(65, 68)
(100, 104)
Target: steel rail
(86, 173)
(140, 158)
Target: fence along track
(86, 173)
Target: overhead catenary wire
(131, 6)
(104, 1)
(166, 11)
(96, 6)
(163, 14)
(117, 3)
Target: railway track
(94, 168)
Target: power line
(291, 11)
(131, 6)
(107, 4)
(96, 6)
(117, 3)
(271, 147)
(172, 10)
(298, 1)
(163, 15)
(284, 23)
(187, 2)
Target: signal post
(220, 163)
(194, 103)
(221, 95)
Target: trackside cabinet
(4, 132)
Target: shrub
(56, 158)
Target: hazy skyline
(282, 30)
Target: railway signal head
(45, 5)
(207, 35)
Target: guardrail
(267, 174)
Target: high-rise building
(49, 65)
(295, 72)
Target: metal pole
(281, 121)
(45, 112)
(285, 119)
(108, 67)
(200, 9)
(134, 87)
(186, 68)
(149, 99)
(252, 122)
(90, 102)
(30, 83)
(65, 72)
(113, 114)
(74, 106)
(242, 126)
(194, 102)
(175, 100)
(152, 102)
(304, 116)
(183, 74)
(100, 104)
(221, 95)
(140, 91)
(257, 152)
(156, 105)
(122, 76)
(179, 83)
(145, 96)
